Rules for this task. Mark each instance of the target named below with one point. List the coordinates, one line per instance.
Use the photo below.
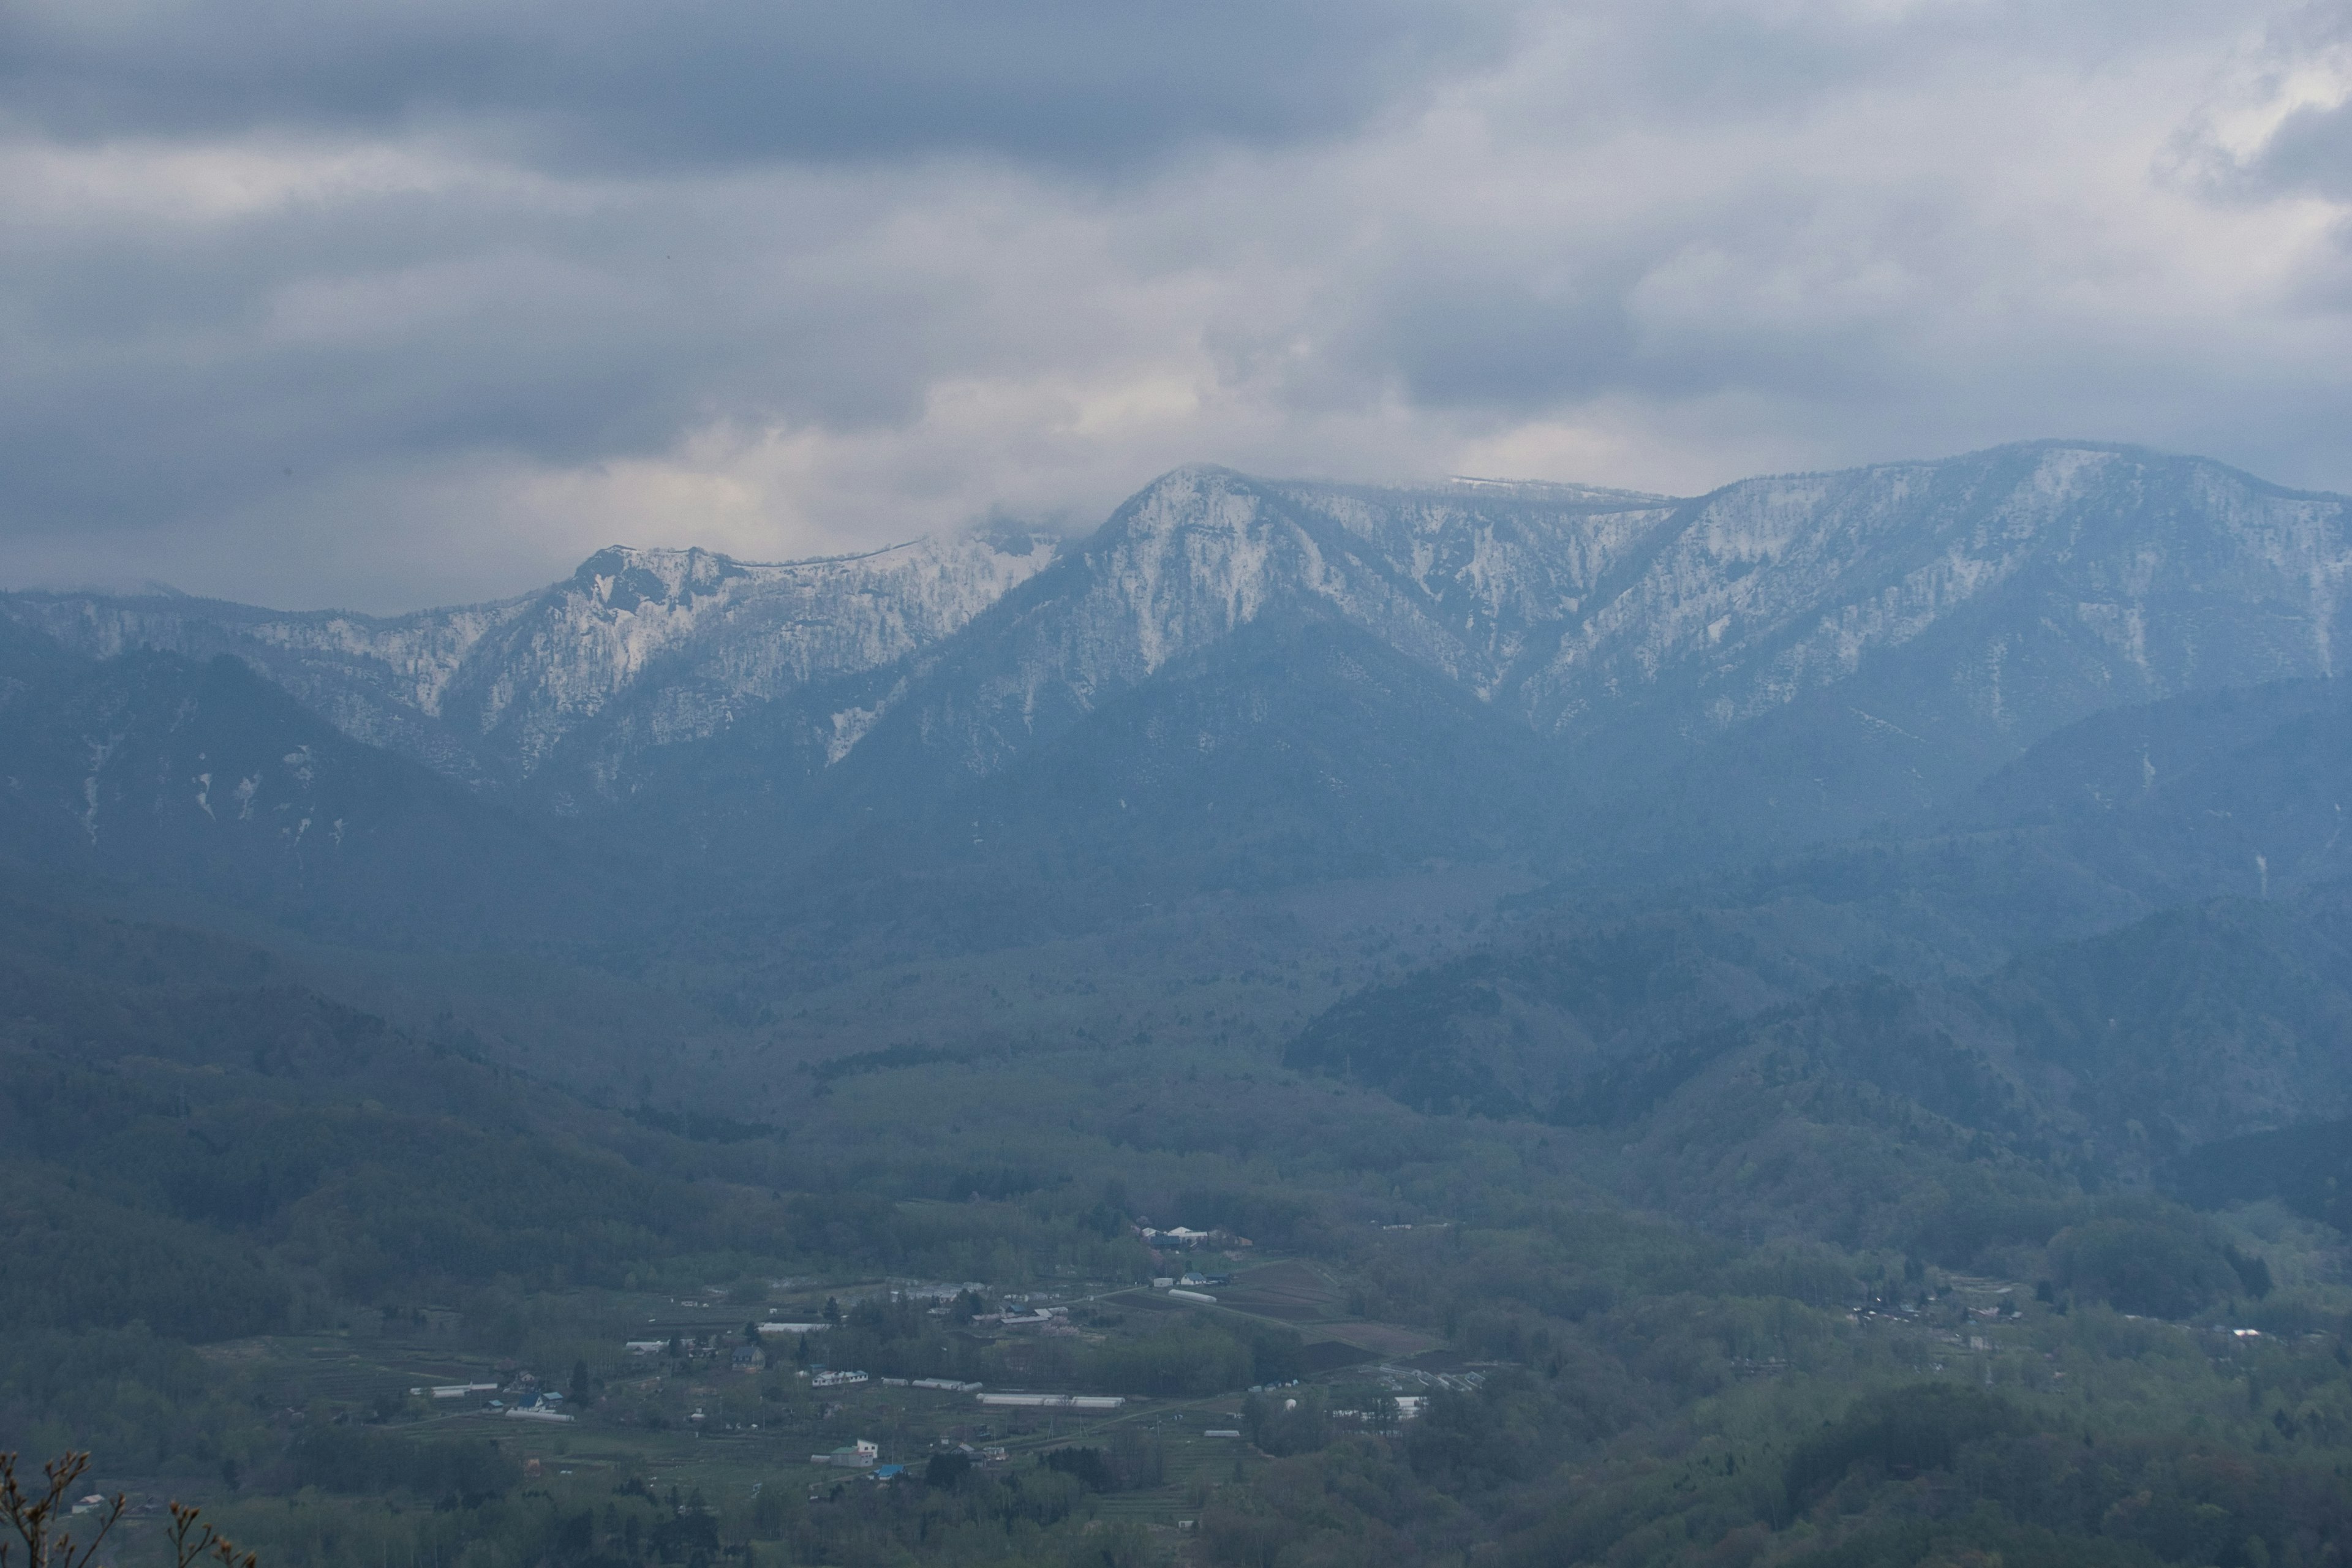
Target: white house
(858, 1455)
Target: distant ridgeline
(1234, 684)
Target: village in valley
(755, 1400)
(726, 1400)
(707, 1395)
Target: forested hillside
(1809, 1025)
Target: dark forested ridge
(207, 780)
(1811, 1024)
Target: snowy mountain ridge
(681, 639)
(1877, 636)
(1980, 602)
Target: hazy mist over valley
(817, 968)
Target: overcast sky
(390, 303)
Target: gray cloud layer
(604, 83)
(383, 303)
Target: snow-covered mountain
(637, 648)
(1789, 656)
(2152, 575)
(1844, 645)
(1471, 580)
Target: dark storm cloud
(607, 83)
(192, 364)
(1747, 292)
(1485, 336)
(380, 303)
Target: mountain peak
(624, 576)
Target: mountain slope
(636, 648)
(2127, 819)
(1812, 655)
(1462, 582)
(2095, 1062)
(2242, 790)
(1786, 660)
(186, 1128)
(210, 781)
(1296, 751)
(1879, 1111)
(1210, 692)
